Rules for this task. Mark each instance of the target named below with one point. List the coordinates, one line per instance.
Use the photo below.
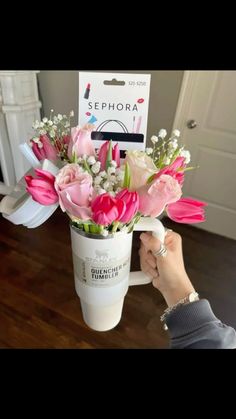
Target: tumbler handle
(158, 230)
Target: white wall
(59, 91)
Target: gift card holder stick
(18, 207)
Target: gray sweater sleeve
(194, 326)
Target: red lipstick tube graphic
(87, 91)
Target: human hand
(168, 273)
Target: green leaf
(150, 179)
(191, 168)
(126, 183)
(109, 155)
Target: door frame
(185, 97)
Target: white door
(209, 99)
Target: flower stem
(86, 166)
(115, 226)
(86, 228)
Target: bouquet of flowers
(101, 194)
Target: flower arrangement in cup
(100, 194)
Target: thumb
(150, 242)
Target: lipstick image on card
(138, 124)
(87, 91)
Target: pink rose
(42, 190)
(81, 142)
(102, 154)
(173, 170)
(141, 168)
(131, 200)
(154, 197)
(43, 148)
(74, 188)
(186, 210)
(107, 209)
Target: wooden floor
(40, 309)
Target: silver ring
(161, 252)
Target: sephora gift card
(117, 105)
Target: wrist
(193, 296)
(172, 296)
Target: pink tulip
(173, 170)
(43, 148)
(42, 190)
(131, 200)
(155, 196)
(74, 188)
(102, 154)
(107, 209)
(186, 210)
(81, 142)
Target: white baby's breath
(91, 160)
(162, 133)
(112, 179)
(120, 176)
(186, 154)
(154, 139)
(97, 180)
(111, 170)
(103, 174)
(149, 150)
(36, 124)
(176, 133)
(106, 185)
(173, 144)
(113, 163)
(96, 167)
(45, 120)
(71, 114)
(59, 117)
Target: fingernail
(144, 237)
